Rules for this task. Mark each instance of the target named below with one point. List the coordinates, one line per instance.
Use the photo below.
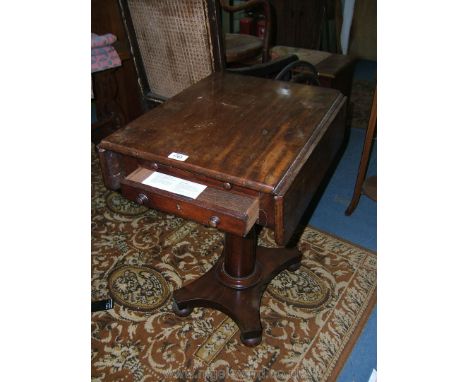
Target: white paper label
(177, 156)
(175, 185)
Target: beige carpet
(311, 318)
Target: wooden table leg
(365, 156)
(235, 284)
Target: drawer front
(226, 211)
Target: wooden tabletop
(249, 131)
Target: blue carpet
(359, 228)
(365, 70)
(363, 358)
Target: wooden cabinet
(106, 18)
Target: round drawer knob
(227, 186)
(141, 199)
(214, 221)
(154, 166)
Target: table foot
(294, 267)
(181, 310)
(251, 339)
(241, 305)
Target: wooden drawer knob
(141, 199)
(214, 221)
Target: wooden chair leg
(364, 157)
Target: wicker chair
(174, 43)
(177, 43)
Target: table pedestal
(235, 284)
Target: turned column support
(235, 284)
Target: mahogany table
(262, 148)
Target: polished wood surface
(336, 71)
(238, 295)
(244, 130)
(241, 47)
(262, 147)
(252, 133)
(220, 209)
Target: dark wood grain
(241, 47)
(224, 210)
(243, 130)
(256, 135)
(110, 162)
(255, 267)
(336, 71)
(298, 189)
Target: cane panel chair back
(174, 43)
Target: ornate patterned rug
(311, 318)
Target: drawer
(227, 211)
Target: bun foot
(251, 339)
(294, 267)
(182, 310)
